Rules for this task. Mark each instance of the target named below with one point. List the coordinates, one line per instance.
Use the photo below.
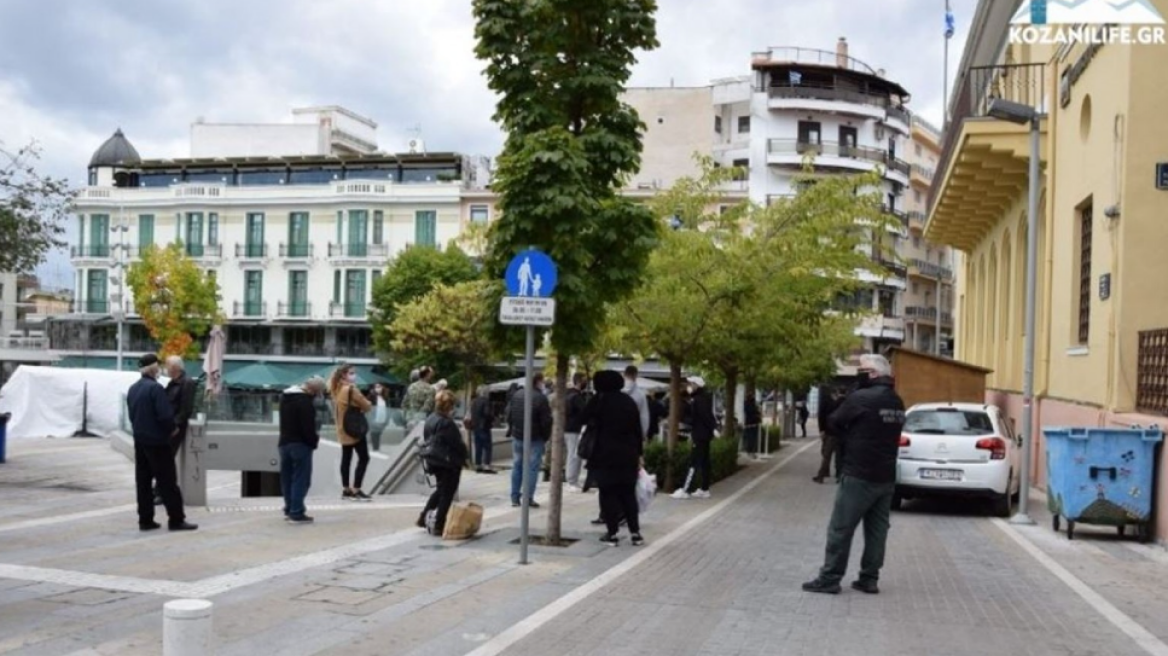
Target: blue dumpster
(4, 417)
(1102, 476)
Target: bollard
(186, 627)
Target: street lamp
(1022, 114)
(119, 310)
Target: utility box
(926, 378)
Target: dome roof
(117, 151)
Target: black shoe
(421, 523)
(818, 479)
(514, 503)
(303, 519)
(610, 540)
(361, 496)
(532, 504)
(599, 521)
(637, 540)
(148, 526)
(865, 586)
(490, 470)
(182, 526)
(821, 586)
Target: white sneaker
(575, 489)
(680, 493)
(701, 494)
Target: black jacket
(827, 405)
(615, 421)
(481, 415)
(751, 412)
(867, 427)
(151, 414)
(703, 421)
(657, 412)
(541, 416)
(298, 418)
(181, 392)
(575, 404)
(442, 444)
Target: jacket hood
(608, 381)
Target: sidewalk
(718, 577)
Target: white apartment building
(798, 102)
(295, 221)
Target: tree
(178, 302)
(410, 276)
(32, 209)
(559, 67)
(450, 326)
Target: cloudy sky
(71, 71)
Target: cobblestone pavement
(719, 577)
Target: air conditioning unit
(416, 146)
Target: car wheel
(1003, 504)
(897, 501)
(1054, 523)
(1070, 530)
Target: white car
(958, 449)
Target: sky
(73, 71)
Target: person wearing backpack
(445, 454)
(352, 428)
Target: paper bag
(463, 521)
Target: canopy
(646, 384)
(279, 375)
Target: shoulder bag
(355, 424)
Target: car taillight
(904, 441)
(995, 445)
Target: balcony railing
(251, 251)
(981, 85)
(931, 270)
(99, 250)
(916, 220)
(836, 149)
(921, 313)
(897, 269)
(784, 89)
(358, 250)
(251, 348)
(793, 55)
(925, 173)
(294, 309)
(353, 351)
(256, 309)
(899, 113)
(204, 250)
(296, 250)
(1152, 372)
(92, 306)
(348, 310)
(895, 212)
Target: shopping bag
(646, 488)
(463, 521)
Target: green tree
(32, 209)
(559, 67)
(177, 301)
(409, 276)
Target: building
(295, 221)
(22, 317)
(852, 119)
(1102, 319)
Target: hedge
(723, 457)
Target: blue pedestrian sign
(532, 274)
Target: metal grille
(1152, 372)
(1085, 274)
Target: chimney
(841, 53)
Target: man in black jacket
(482, 418)
(829, 399)
(181, 392)
(574, 404)
(702, 430)
(299, 437)
(541, 430)
(152, 419)
(868, 425)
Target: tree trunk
(731, 423)
(674, 421)
(556, 493)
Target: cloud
(71, 72)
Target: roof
(116, 151)
(893, 351)
(306, 160)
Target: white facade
(313, 131)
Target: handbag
(354, 423)
(587, 445)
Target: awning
(263, 375)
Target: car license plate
(942, 474)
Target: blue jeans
(482, 447)
(534, 461)
(295, 477)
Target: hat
(147, 360)
(607, 381)
(696, 381)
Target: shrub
(723, 460)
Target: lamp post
(119, 310)
(1022, 114)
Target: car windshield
(947, 421)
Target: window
(358, 234)
(916, 288)
(355, 293)
(378, 227)
(213, 229)
(99, 235)
(718, 124)
(918, 149)
(810, 132)
(949, 421)
(314, 176)
(848, 138)
(916, 195)
(743, 166)
(426, 228)
(298, 234)
(254, 239)
(297, 293)
(194, 234)
(145, 230)
(1085, 216)
(262, 178)
(336, 287)
(253, 293)
(97, 291)
(480, 214)
(743, 125)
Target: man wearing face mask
(867, 426)
(702, 432)
(541, 430)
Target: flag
(950, 24)
(795, 78)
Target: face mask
(865, 380)
(690, 389)
(351, 376)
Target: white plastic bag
(646, 488)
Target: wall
(679, 122)
(241, 140)
(8, 300)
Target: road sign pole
(528, 392)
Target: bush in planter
(723, 460)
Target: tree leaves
(448, 326)
(177, 301)
(32, 208)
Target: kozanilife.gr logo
(1087, 21)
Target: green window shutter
(194, 240)
(425, 228)
(358, 233)
(99, 234)
(336, 286)
(145, 230)
(378, 227)
(213, 229)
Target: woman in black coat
(613, 419)
(445, 454)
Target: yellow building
(1103, 223)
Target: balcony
(921, 175)
(353, 351)
(91, 252)
(294, 310)
(250, 310)
(926, 132)
(923, 269)
(916, 222)
(790, 152)
(204, 251)
(894, 268)
(984, 163)
(1152, 372)
(357, 311)
(251, 348)
(920, 314)
(815, 97)
(898, 214)
(358, 251)
(296, 251)
(899, 119)
(251, 251)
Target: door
(145, 231)
(98, 291)
(358, 233)
(298, 294)
(255, 235)
(99, 235)
(213, 229)
(810, 136)
(426, 228)
(848, 139)
(194, 236)
(253, 294)
(298, 234)
(355, 294)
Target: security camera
(1112, 212)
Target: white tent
(646, 384)
(48, 401)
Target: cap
(147, 360)
(696, 381)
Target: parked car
(958, 449)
